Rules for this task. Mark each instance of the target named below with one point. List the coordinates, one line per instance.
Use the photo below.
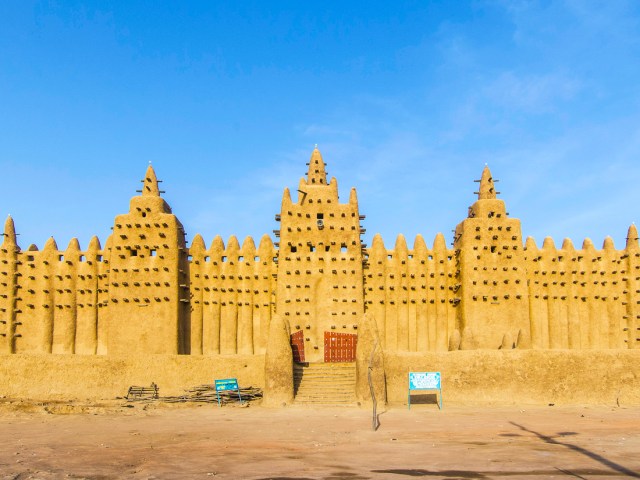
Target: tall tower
(148, 308)
(493, 310)
(320, 278)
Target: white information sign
(425, 381)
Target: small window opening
(491, 214)
(144, 214)
(190, 257)
(327, 248)
(294, 249)
(30, 258)
(430, 257)
(82, 258)
(206, 259)
(410, 257)
(312, 248)
(99, 258)
(224, 259)
(240, 259)
(152, 252)
(343, 248)
(134, 252)
(61, 258)
(389, 257)
(493, 249)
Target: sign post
(227, 385)
(425, 381)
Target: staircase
(325, 383)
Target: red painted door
(340, 347)
(297, 346)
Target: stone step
(325, 383)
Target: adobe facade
(317, 294)
(146, 292)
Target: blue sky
(406, 100)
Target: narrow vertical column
(430, 297)
(419, 293)
(196, 282)
(537, 308)
(211, 321)
(229, 305)
(103, 262)
(610, 294)
(453, 297)
(572, 301)
(404, 332)
(548, 265)
(440, 297)
(28, 324)
(590, 292)
(245, 296)
(390, 303)
(87, 299)
(631, 279)
(8, 288)
(559, 291)
(376, 285)
(64, 327)
(50, 260)
(264, 270)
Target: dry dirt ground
(111, 440)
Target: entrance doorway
(340, 347)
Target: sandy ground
(46, 441)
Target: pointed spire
(233, 246)
(249, 247)
(353, 196)
(74, 245)
(587, 245)
(378, 251)
(419, 246)
(9, 232)
(286, 197)
(217, 247)
(317, 174)
(439, 243)
(400, 247)
(94, 244)
(377, 242)
(530, 244)
(567, 245)
(487, 188)
(608, 244)
(150, 183)
(632, 237)
(51, 244)
(265, 248)
(548, 244)
(197, 244)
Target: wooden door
(297, 346)
(340, 347)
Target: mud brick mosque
(318, 298)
